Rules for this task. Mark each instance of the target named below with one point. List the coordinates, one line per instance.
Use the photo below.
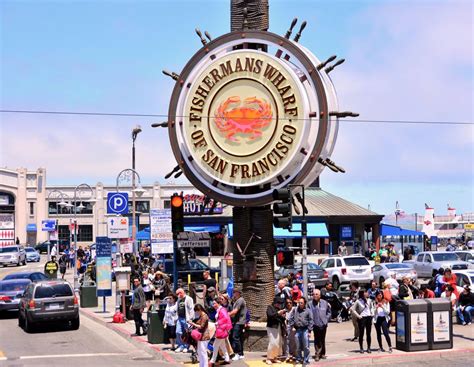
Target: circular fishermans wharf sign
(244, 121)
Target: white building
(26, 200)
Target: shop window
(32, 208)
(84, 233)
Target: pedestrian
(363, 310)
(63, 261)
(425, 292)
(223, 326)
(51, 268)
(381, 318)
(209, 282)
(185, 314)
(17, 242)
(321, 312)
(373, 290)
(201, 334)
(282, 290)
(238, 315)
(342, 250)
(466, 306)
(137, 307)
(275, 326)
(449, 294)
(170, 319)
(450, 278)
(406, 292)
(302, 321)
(147, 288)
(296, 294)
(353, 295)
(439, 282)
(289, 342)
(72, 259)
(160, 285)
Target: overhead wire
(85, 113)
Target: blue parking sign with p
(117, 203)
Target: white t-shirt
(452, 298)
(393, 285)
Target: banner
(161, 233)
(104, 266)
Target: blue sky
(405, 60)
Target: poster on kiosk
(104, 266)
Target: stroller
(339, 307)
(188, 339)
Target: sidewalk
(340, 351)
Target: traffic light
(284, 208)
(285, 258)
(177, 213)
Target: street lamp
(398, 211)
(128, 175)
(58, 195)
(79, 190)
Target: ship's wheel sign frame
(243, 121)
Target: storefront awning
(388, 230)
(314, 230)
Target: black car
(43, 246)
(316, 274)
(34, 276)
(193, 267)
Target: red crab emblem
(427, 222)
(233, 117)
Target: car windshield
(447, 256)
(29, 249)
(14, 286)
(8, 249)
(356, 261)
(397, 266)
(55, 290)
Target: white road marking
(73, 355)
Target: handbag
(196, 335)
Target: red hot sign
(193, 205)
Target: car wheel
(18, 263)
(336, 283)
(339, 319)
(24, 262)
(75, 324)
(381, 281)
(21, 321)
(28, 325)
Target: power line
(413, 122)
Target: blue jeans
(465, 316)
(181, 326)
(302, 345)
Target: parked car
(12, 255)
(344, 269)
(32, 255)
(465, 277)
(467, 256)
(316, 275)
(47, 301)
(34, 276)
(43, 246)
(428, 261)
(384, 271)
(11, 292)
(193, 267)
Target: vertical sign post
(104, 268)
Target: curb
(140, 342)
(366, 360)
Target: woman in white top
(170, 319)
(381, 317)
(363, 309)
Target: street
(98, 340)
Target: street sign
(117, 203)
(117, 227)
(161, 233)
(194, 244)
(48, 225)
(104, 266)
(126, 246)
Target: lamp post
(130, 175)
(137, 130)
(78, 191)
(398, 211)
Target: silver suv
(344, 269)
(48, 301)
(428, 261)
(12, 255)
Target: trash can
(156, 331)
(128, 303)
(412, 325)
(440, 323)
(88, 295)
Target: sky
(405, 60)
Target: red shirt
(429, 294)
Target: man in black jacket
(137, 307)
(466, 306)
